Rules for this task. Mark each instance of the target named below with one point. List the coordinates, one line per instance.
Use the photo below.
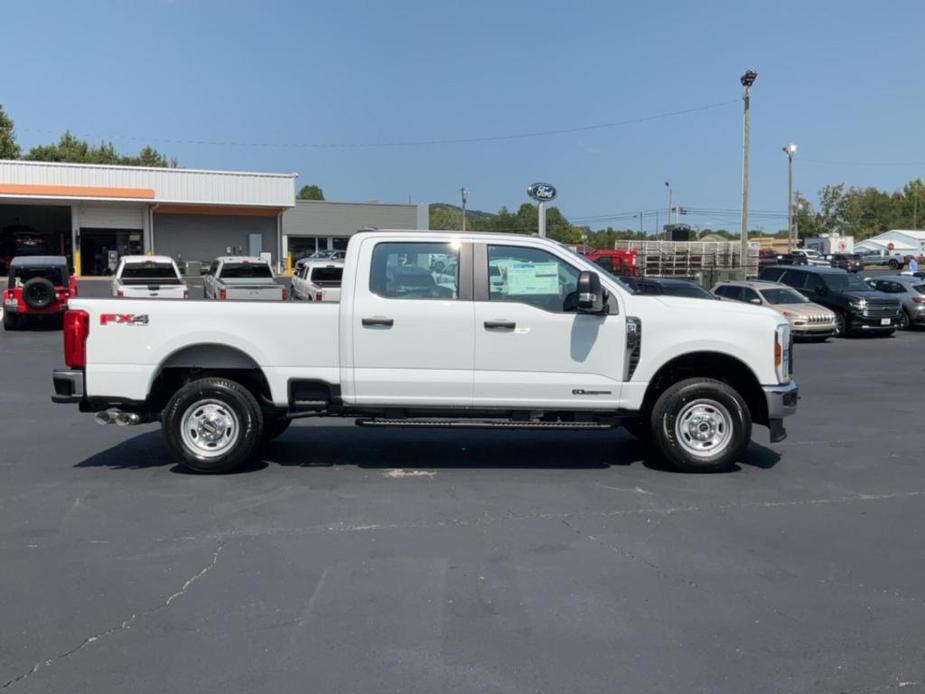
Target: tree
(311, 192)
(70, 148)
(8, 147)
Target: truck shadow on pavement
(328, 446)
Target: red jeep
(616, 262)
(38, 286)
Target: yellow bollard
(77, 263)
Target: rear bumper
(782, 402)
(69, 386)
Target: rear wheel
(213, 425)
(701, 425)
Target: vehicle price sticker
(532, 278)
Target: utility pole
(640, 224)
(790, 150)
(668, 186)
(465, 197)
(747, 80)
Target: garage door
(111, 217)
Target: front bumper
(69, 386)
(782, 402)
(868, 323)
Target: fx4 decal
(123, 319)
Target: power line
(861, 163)
(410, 143)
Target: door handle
(378, 321)
(500, 325)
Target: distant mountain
(475, 215)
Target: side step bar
(478, 424)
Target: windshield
(687, 290)
(845, 282)
(783, 296)
(149, 271)
(246, 271)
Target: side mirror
(756, 301)
(590, 292)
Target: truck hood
(707, 308)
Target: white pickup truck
(239, 278)
(528, 335)
(148, 277)
(317, 280)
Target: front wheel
(701, 425)
(904, 320)
(841, 325)
(213, 425)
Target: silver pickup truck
(239, 278)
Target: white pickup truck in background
(239, 278)
(521, 333)
(148, 277)
(317, 280)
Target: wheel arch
(707, 364)
(207, 359)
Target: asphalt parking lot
(363, 560)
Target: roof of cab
(146, 259)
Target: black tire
(38, 293)
(228, 403)
(726, 417)
(894, 265)
(10, 321)
(905, 322)
(274, 427)
(841, 325)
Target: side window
(415, 271)
(729, 292)
(606, 262)
(792, 279)
(749, 294)
(772, 273)
(814, 283)
(532, 276)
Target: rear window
(920, 288)
(329, 276)
(148, 271)
(20, 275)
(246, 271)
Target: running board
(478, 424)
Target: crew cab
(240, 278)
(38, 287)
(149, 277)
(317, 280)
(528, 334)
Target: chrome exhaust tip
(124, 419)
(105, 417)
(118, 417)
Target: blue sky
(838, 78)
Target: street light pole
(747, 80)
(790, 150)
(668, 186)
(465, 197)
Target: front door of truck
(532, 348)
(412, 324)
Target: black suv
(665, 286)
(857, 306)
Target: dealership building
(92, 214)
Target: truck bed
(130, 339)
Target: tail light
(918, 300)
(319, 296)
(120, 293)
(285, 294)
(222, 294)
(72, 285)
(76, 331)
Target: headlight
(782, 347)
(858, 304)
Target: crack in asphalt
(125, 624)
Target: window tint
(749, 294)
(729, 292)
(415, 271)
(246, 271)
(327, 276)
(813, 283)
(149, 270)
(688, 291)
(606, 262)
(54, 274)
(772, 273)
(532, 276)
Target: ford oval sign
(542, 192)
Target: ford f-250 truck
(528, 335)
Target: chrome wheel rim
(209, 428)
(703, 428)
